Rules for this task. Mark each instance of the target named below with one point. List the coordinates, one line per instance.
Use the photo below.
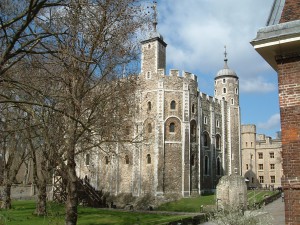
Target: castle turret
(153, 53)
(227, 89)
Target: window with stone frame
(272, 155)
(205, 120)
(224, 80)
(173, 105)
(148, 75)
(193, 108)
(272, 166)
(149, 128)
(260, 155)
(247, 166)
(260, 166)
(206, 165)
(206, 139)
(218, 166)
(172, 127)
(217, 123)
(106, 160)
(218, 142)
(272, 179)
(224, 90)
(149, 106)
(87, 159)
(261, 179)
(148, 159)
(126, 159)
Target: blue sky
(196, 32)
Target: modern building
(261, 158)
(279, 44)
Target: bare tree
(80, 49)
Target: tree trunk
(72, 198)
(6, 204)
(41, 203)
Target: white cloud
(197, 30)
(273, 122)
(257, 85)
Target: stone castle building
(190, 139)
(261, 158)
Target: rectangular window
(272, 179)
(272, 155)
(261, 179)
(260, 155)
(247, 167)
(272, 166)
(260, 166)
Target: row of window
(261, 166)
(261, 155)
(172, 106)
(261, 179)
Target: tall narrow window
(87, 159)
(148, 75)
(149, 128)
(172, 127)
(206, 139)
(217, 123)
(218, 166)
(218, 142)
(232, 101)
(126, 159)
(224, 90)
(205, 120)
(173, 105)
(206, 165)
(149, 106)
(193, 108)
(148, 159)
(106, 160)
(224, 81)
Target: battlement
(188, 75)
(248, 128)
(210, 99)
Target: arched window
(193, 108)
(149, 106)
(106, 160)
(87, 159)
(236, 91)
(218, 142)
(148, 159)
(224, 81)
(206, 141)
(224, 90)
(148, 75)
(173, 105)
(206, 165)
(149, 128)
(218, 166)
(126, 159)
(232, 101)
(172, 127)
(217, 123)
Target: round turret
(227, 84)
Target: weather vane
(225, 53)
(154, 7)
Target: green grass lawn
(21, 214)
(188, 204)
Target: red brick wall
(291, 11)
(289, 97)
